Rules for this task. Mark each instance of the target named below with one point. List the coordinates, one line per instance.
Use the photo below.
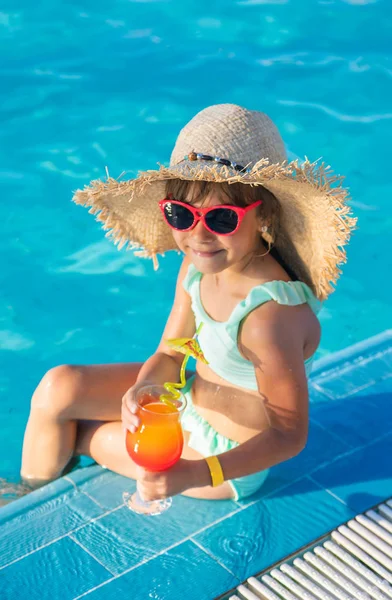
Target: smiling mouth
(204, 253)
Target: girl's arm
(273, 338)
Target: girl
(262, 240)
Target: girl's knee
(58, 390)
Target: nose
(200, 233)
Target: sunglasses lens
(222, 220)
(179, 217)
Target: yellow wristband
(217, 477)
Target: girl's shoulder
(291, 314)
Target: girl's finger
(130, 402)
(130, 420)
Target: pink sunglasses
(224, 219)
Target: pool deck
(75, 538)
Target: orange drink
(157, 443)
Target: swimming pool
(84, 89)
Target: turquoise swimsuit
(218, 342)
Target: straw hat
(315, 219)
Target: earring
(265, 253)
(264, 229)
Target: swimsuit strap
(192, 276)
(289, 293)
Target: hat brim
(316, 223)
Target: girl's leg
(76, 410)
(65, 396)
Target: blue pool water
(92, 84)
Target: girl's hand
(177, 479)
(129, 407)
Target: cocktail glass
(157, 444)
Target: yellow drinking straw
(189, 347)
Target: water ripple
(11, 340)
(243, 548)
(359, 2)
(255, 2)
(299, 59)
(102, 258)
(335, 114)
(68, 335)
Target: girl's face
(212, 253)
